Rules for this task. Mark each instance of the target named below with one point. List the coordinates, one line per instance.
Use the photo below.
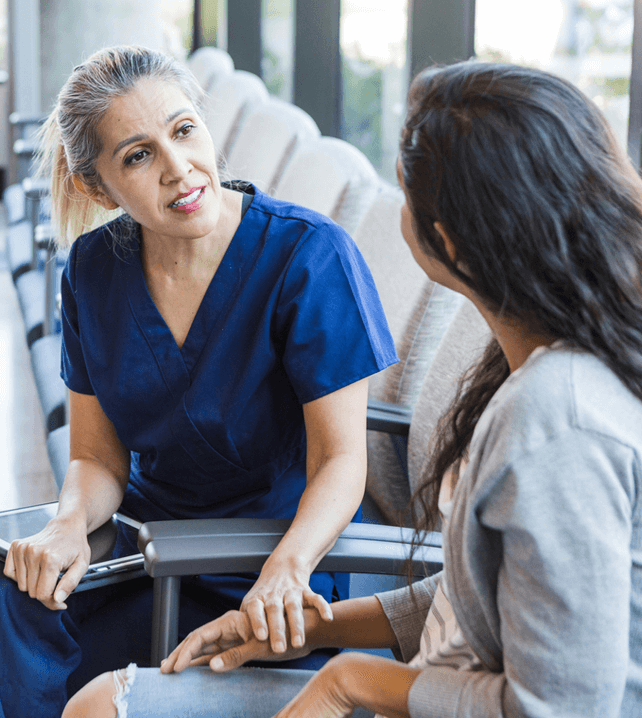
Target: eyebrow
(138, 138)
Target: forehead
(144, 109)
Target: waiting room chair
(209, 65)
(228, 105)
(330, 176)
(266, 142)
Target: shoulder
(299, 226)
(562, 390)
(101, 249)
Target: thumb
(235, 656)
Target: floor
(25, 475)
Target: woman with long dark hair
(518, 197)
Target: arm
(93, 489)
(336, 471)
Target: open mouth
(188, 199)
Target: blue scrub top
(216, 428)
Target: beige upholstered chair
(266, 142)
(229, 104)
(450, 336)
(331, 177)
(209, 65)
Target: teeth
(186, 200)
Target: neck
(516, 340)
(186, 259)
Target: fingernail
(262, 634)
(279, 647)
(217, 664)
(61, 596)
(297, 641)
(164, 661)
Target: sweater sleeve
(406, 609)
(560, 522)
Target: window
(277, 46)
(374, 76)
(178, 21)
(586, 41)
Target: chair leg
(165, 617)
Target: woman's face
(158, 163)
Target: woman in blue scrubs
(216, 345)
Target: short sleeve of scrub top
(216, 427)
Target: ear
(96, 194)
(450, 247)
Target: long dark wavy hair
(545, 214)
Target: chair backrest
(402, 383)
(228, 105)
(332, 177)
(266, 141)
(209, 65)
(462, 345)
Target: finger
(255, 610)
(294, 613)
(276, 625)
(237, 656)
(19, 567)
(315, 600)
(9, 566)
(192, 648)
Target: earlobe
(96, 194)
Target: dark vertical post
(317, 62)
(244, 34)
(634, 143)
(440, 32)
(167, 596)
(197, 26)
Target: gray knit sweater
(544, 553)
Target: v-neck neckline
(177, 363)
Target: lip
(192, 206)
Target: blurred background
(347, 62)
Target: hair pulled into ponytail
(70, 141)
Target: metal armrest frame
(226, 546)
(388, 418)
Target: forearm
(90, 495)
(356, 623)
(330, 500)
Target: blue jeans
(199, 693)
(47, 655)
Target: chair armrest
(25, 148)
(18, 120)
(36, 187)
(388, 418)
(225, 546)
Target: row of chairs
(279, 148)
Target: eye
(186, 129)
(136, 158)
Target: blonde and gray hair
(70, 138)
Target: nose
(176, 165)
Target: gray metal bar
(317, 63)
(49, 324)
(440, 32)
(244, 34)
(165, 617)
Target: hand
(324, 695)
(280, 591)
(35, 562)
(225, 643)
